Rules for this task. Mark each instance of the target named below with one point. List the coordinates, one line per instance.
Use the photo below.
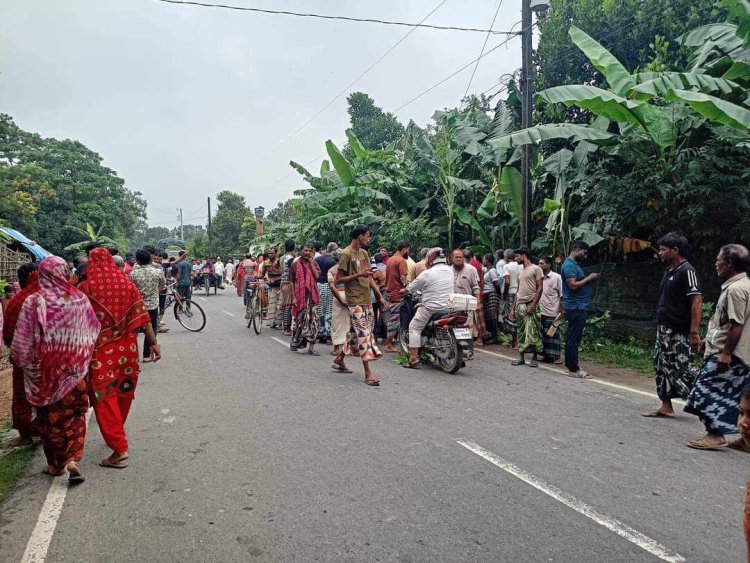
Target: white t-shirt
(219, 268)
(512, 269)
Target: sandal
(657, 414)
(409, 365)
(518, 363)
(118, 463)
(341, 369)
(74, 473)
(313, 353)
(533, 364)
(372, 382)
(707, 442)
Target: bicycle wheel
(250, 312)
(207, 286)
(190, 315)
(258, 315)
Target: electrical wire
(329, 17)
(346, 89)
(481, 52)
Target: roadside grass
(12, 464)
(619, 354)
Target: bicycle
(206, 283)
(254, 309)
(188, 313)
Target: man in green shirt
(355, 273)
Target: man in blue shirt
(577, 291)
(181, 271)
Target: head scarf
(55, 336)
(117, 302)
(304, 282)
(13, 309)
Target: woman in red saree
(53, 342)
(113, 374)
(21, 410)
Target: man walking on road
(303, 275)
(148, 280)
(325, 262)
(287, 291)
(678, 319)
(726, 371)
(354, 272)
(396, 274)
(272, 275)
(577, 292)
(525, 312)
(551, 309)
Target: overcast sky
(184, 101)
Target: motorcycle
(446, 339)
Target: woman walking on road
(54, 339)
(113, 375)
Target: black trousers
(154, 314)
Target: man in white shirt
(436, 284)
(219, 271)
(551, 306)
(511, 269)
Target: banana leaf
(325, 167)
(354, 143)
(509, 186)
(597, 100)
(465, 217)
(618, 77)
(550, 131)
(340, 163)
(558, 162)
(486, 209)
(660, 84)
(714, 109)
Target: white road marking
(169, 419)
(202, 298)
(280, 341)
(623, 530)
(227, 313)
(41, 535)
(594, 380)
(164, 411)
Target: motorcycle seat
(437, 315)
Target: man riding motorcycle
(436, 284)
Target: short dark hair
(289, 245)
(489, 257)
(163, 255)
(468, 253)
(91, 246)
(674, 240)
(737, 255)
(24, 273)
(114, 251)
(378, 258)
(143, 257)
(172, 259)
(317, 245)
(310, 245)
(130, 254)
(547, 259)
(579, 245)
(182, 253)
(401, 245)
(151, 249)
(745, 393)
(523, 251)
(359, 230)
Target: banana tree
(90, 235)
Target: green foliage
(227, 233)
(373, 128)
(48, 184)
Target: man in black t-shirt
(678, 318)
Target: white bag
(460, 302)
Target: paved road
(242, 450)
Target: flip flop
(657, 414)
(409, 365)
(339, 369)
(372, 382)
(533, 364)
(705, 444)
(313, 353)
(122, 464)
(518, 363)
(74, 474)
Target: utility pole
(526, 118)
(210, 247)
(182, 227)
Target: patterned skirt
(393, 316)
(361, 341)
(509, 326)
(325, 310)
(529, 337)
(491, 304)
(21, 410)
(672, 363)
(715, 397)
(306, 323)
(63, 428)
(550, 345)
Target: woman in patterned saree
(113, 374)
(53, 342)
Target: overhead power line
(481, 52)
(330, 17)
(346, 89)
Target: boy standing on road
(577, 292)
(678, 318)
(525, 310)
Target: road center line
(41, 536)
(280, 341)
(633, 536)
(599, 381)
(227, 313)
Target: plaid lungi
(529, 337)
(672, 359)
(509, 326)
(715, 397)
(491, 304)
(550, 346)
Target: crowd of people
(72, 330)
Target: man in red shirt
(396, 273)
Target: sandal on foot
(707, 443)
(533, 364)
(518, 363)
(657, 414)
(120, 463)
(74, 473)
(313, 353)
(341, 369)
(580, 374)
(372, 382)
(409, 365)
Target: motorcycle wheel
(403, 341)
(450, 357)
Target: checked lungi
(491, 304)
(287, 297)
(393, 316)
(529, 337)
(715, 397)
(509, 326)
(550, 345)
(672, 364)
(325, 310)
